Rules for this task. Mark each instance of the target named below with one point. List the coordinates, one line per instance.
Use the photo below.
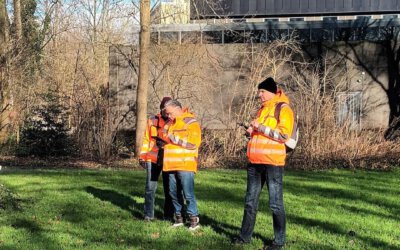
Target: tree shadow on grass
(341, 194)
(123, 201)
(28, 225)
(159, 206)
(361, 210)
(336, 229)
(214, 193)
(158, 203)
(37, 237)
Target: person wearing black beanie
(266, 153)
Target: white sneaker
(194, 223)
(194, 228)
(177, 224)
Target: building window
(349, 106)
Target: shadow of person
(227, 230)
(123, 201)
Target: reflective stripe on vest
(180, 159)
(267, 151)
(262, 150)
(180, 151)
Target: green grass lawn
(102, 209)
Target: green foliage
(32, 37)
(44, 132)
(9, 146)
(30, 47)
(103, 209)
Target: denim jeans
(153, 173)
(185, 179)
(257, 175)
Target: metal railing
(349, 109)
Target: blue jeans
(153, 173)
(184, 179)
(257, 175)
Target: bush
(44, 132)
(9, 145)
(223, 149)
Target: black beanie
(268, 84)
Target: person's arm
(163, 133)
(192, 140)
(146, 144)
(283, 130)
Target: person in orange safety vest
(266, 152)
(151, 159)
(183, 137)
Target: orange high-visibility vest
(267, 143)
(149, 150)
(184, 138)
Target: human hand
(255, 124)
(143, 164)
(249, 130)
(244, 125)
(160, 142)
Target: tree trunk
(141, 95)
(4, 42)
(3, 24)
(17, 19)
(4, 38)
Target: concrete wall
(373, 83)
(213, 80)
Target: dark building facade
(290, 8)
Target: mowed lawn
(102, 209)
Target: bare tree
(144, 59)
(4, 30)
(3, 24)
(4, 37)
(17, 19)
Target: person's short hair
(163, 101)
(173, 103)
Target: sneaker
(239, 241)
(274, 246)
(148, 219)
(178, 221)
(194, 223)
